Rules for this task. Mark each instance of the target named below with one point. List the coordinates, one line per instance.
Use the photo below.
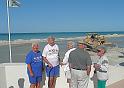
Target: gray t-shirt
(80, 59)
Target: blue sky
(64, 16)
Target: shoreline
(22, 41)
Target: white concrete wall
(12, 74)
(2, 77)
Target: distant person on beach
(34, 63)
(51, 54)
(80, 65)
(70, 46)
(102, 68)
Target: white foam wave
(22, 41)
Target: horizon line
(60, 32)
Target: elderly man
(51, 55)
(80, 65)
(34, 66)
(70, 46)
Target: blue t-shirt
(36, 62)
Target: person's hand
(31, 74)
(61, 63)
(97, 66)
(42, 68)
(50, 65)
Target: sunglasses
(98, 51)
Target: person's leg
(50, 72)
(83, 79)
(70, 85)
(38, 85)
(56, 71)
(69, 82)
(54, 82)
(32, 81)
(32, 85)
(74, 83)
(39, 79)
(50, 82)
(68, 76)
(99, 84)
(103, 84)
(94, 79)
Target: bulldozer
(94, 40)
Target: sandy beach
(119, 84)
(115, 75)
(95, 23)
(21, 47)
(115, 55)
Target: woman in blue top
(34, 63)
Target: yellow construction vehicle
(94, 39)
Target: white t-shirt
(51, 54)
(65, 60)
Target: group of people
(77, 65)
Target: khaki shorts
(68, 74)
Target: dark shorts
(53, 72)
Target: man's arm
(89, 63)
(46, 61)
(65, 60)
(60, 61)
(30, 70)
(104, 66)
(88, 70)
(44, 55)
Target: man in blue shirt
(34, 66)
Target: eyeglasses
(98, 51)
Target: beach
(95, 23)
(21, 47)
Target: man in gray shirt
(80, 65)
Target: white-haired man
(51, 55)
(34, 63)
(70, 46)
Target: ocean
(19, 51)
(28, 36)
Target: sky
(37, 16)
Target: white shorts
(68, 74)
